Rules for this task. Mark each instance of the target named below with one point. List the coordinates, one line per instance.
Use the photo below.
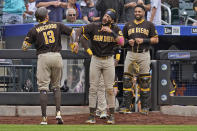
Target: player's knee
(43, 91)
(110, 91)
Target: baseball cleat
(111, 119)
(91, 120)
(59, 118)
(103, 115)
(145, 111)
(44, 121)
(98, 113)
(125, 111)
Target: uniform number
(49, 37)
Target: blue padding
(172, 30)
(17, 29)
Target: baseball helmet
(41, 14)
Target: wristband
(118, 57)
(146, 40)
(114, 34)
(89, 51)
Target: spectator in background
(55, 7)
(13, 11)
(117, 5)
(145, 3)
(71, 17)
(129, 8)
(89, 12)
(76, 6)
(29, 13)
(195, 9)
(154, 15)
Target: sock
(57, 97)
(43, 102)
(92, 111)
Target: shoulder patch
(120, 33)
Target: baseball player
(101, 110)
(103, 36)
(139, 34)
(46, 36)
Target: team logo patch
(120, 33)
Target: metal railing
(190, 19)
(169, 22)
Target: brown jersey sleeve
(125, 32)
(87, 31)
(31, 36)
(65, 29)
(118, 31)
(153, 31)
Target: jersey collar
(138, 22)
(45, 21)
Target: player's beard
(106, 22)
(138, 18)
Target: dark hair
(141, 6)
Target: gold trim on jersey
(84, 34)
(45, 21)
(71, 32)
(138, 22)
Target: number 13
(49, 37)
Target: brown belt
(103, 57)
(140, 51)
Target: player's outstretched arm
(74, 42)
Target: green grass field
(98, 128)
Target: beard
(107, 23)
(138, 18)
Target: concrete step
(179, 110)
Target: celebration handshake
(74, 47)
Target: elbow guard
(120, 41)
